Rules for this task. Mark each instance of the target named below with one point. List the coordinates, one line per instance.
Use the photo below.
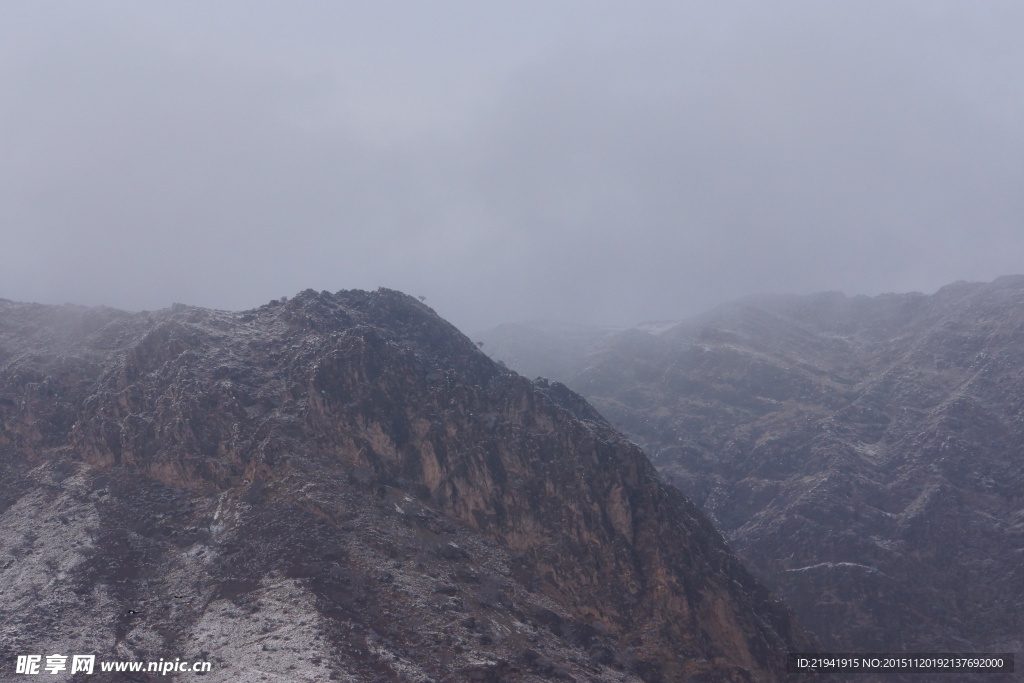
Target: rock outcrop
(343, 487)
(864, 455)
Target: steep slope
(862, 454)
(343, 487)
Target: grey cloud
(580, 161)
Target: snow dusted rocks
(343, 487)
(864, 455)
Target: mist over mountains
(343, 486)
(862, 454)
(340, 485)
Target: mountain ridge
(862, 453)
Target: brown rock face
(342, 486)
(862, 454)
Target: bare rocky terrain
(863, 455)
(343, 487)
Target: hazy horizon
(585, 162)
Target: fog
(589, 162)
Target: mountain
(863, 455)
(343, 487)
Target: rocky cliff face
(342, 487)
(864, 454)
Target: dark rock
(285, 488)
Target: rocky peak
(345, 481)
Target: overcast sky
(582, 161)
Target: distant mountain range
(864, 455)
(344, 487)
